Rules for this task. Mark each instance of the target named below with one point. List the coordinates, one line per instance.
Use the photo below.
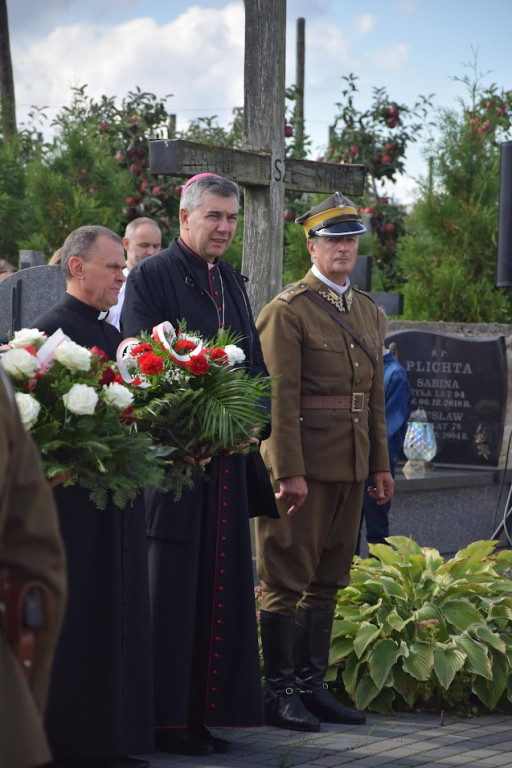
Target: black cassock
(101, 697)
(201, 578)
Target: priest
(207, 670)
(100, 701)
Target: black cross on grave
(261, 167)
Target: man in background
(142, 238)
(30, 549)
(397, 393)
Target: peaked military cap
(335, 217)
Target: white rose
(117, 395)
(29, 409)
(73, 356)
(20, 364)
(28, 337)
(81, 399)
(234, 353)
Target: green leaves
(413, 628)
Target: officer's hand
(292, 490)
(383, 487)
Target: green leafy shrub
(415, 631)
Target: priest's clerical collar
(211, 264)
(86, 309)
(339, 289)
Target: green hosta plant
(415, 630)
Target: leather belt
(356, 402)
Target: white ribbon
(46, 352)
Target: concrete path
(384, 741)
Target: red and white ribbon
(123, 351)
(165, 334)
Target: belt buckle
(355, 407)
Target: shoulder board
(363, 293)
(292, 291)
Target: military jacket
(310, 354)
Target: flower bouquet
(80, 415)
(193, 396)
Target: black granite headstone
(26, 294)
(461, 383)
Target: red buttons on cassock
(226, 471)
(215, 293)
(220, 605)
(224, 503)
(224, 487)
(218, 639)
(213, 706)
(220, 589)
(213, 688)
(224, 521)
(223, 554)
(216, 655)
(219, 621)
(215, 671)
(222, 573)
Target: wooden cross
(261, 167)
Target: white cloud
(406, 7)
(394, 57)
(198, 58)
(365, 24)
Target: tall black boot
(312, 643)
(282, 704)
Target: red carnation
(185, 344)
(107, 377)
(31, 350)
(150, 364)
(118, 379)
(100, 353)
(218, 355)
(128, 415)
(198, 365)
(146, 347)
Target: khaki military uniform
(30, 543)
(308, 556)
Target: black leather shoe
(284, 709)
(180, 741)
(321, 703)
(217, 744)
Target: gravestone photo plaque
(461, 383)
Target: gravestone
(27, 293)
(461, 383)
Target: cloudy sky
(194, 51)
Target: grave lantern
(420, 445)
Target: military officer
(320, 337)
(31, 551)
